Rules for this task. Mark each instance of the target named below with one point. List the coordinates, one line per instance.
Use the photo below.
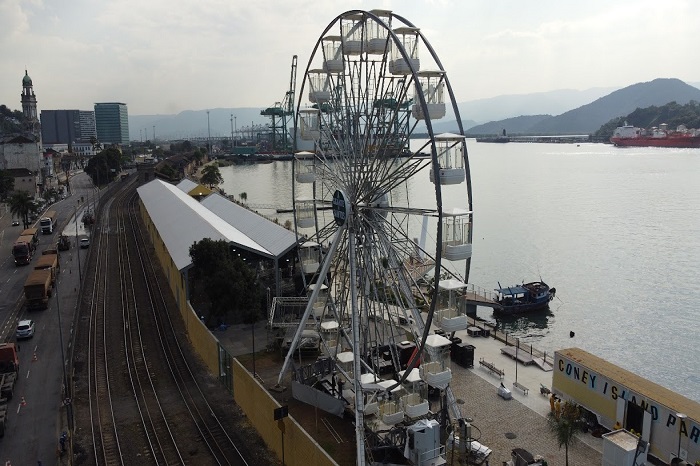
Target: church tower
(31, 119)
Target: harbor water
(615, 230)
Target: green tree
(211, 176)
(105, 166)
(10, 120)
(21, 205)
(7, 184)
(198, 156)
(50, 195)
(227, 281)
(565, 424)
(168, 171)
(243, 196)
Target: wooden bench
(494, 370)
(522, 387)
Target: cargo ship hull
(629, 135)
(680, 142)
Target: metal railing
(510, 340)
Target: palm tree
(565, 424)
(21, 205)
(96, 146)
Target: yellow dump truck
(37, 289)
(49, 261)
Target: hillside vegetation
(10, 120)
(672, 113)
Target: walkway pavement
(525, 415)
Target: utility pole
(208, 137)
(235, 127)
(154, 134)
(232, 132)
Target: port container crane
(281, 113)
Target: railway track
(138, 393)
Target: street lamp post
(681, 418)
(235, 127)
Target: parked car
(84, 242)
(63, 243)
(25, 329)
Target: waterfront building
(667, 423)
(112, 123)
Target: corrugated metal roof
(186, 185)
(182, 221)
(192, 188)
(273, 237)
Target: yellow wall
(299, 448)
(602, 405)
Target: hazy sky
(165, 56)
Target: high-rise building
(88, 129)
(60, 126)
(68, 127)
(112, 123)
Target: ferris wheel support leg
(310, 305)
(359, 397)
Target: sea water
(615, 230)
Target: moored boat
(523, 298)
(661, 136)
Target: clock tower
(31, 119)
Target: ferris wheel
(382, 212)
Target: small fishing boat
(523, 298)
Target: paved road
(37, 413)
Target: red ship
(656, 137)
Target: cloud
(163, 56)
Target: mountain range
(563, 111)
(588, 118)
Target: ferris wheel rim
(372, 214)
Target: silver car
(25, 329)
